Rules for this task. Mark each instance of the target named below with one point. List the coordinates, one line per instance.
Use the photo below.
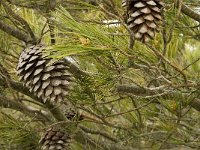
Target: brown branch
(138, 91)
(14, 32)
(21, 20)
(7, 103)
(34, 5)
(85, 139)
(131, 40)
(159, 55)
(104, 134)
(78, 73)
(51, 7)
(189, 12)
(195, 104)
(56, 112)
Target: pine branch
(104, 134)
(85, 139)
(75, 70)
(136, 90)
(8, 103)
(14, 32)
(21, 20)
(25, 5)
(189, 12)
(139, 91)
(56, 112)
(195, 104)
(151, 93)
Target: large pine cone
(55, 139)
(143, 17)
(48, 81)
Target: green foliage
(162, 116)
(15, 134)
(84, 37)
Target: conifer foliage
(129, 92)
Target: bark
(85, 139)
(8, 103)
(196, 104)
(23, 22)
(148, 92)
(17, 86)
(14, 32)
(189, 12)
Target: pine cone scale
(143, 17)
(42, 76)
(55, 139)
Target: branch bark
(79, 74)
(23, 22)
(189, 12)
(195, 104)
(8, 103)
(85, 139)
(56, 112)
(140, 91)
(14, 32)
(104, 134)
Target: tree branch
(79, 137)
(79, 74)
(56, 112)
(195, 104)
(140, 91)
(104, 134)
(14, 32)
(189, 12)
(21, 20)
(7, 103)
(85, 139)
(136, 90)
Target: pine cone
(143, 17)
(55, 139)
(48, 81)
(73, 115)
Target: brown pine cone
(48, 81)
(143, 17)
(55, 139)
